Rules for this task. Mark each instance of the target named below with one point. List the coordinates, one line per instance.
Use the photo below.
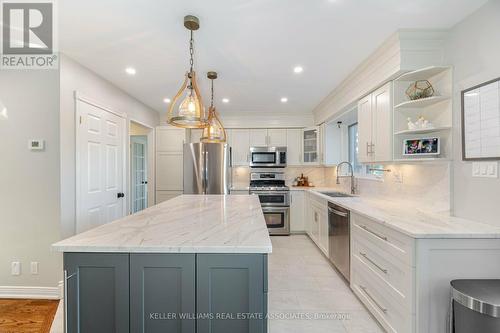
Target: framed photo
(481, 122)
(422, 147)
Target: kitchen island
(196, 263)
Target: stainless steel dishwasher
(339, 238)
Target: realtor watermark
(250, 316)
(29, 39)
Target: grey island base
(211, 281)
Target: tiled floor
(302, 282)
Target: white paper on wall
(482, 121)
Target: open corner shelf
(436, 109)
(423, 74)
(422, 102)
(423, 130)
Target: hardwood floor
(26, 315)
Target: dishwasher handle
(337, 212)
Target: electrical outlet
(398, 176)
(15, 268)
(34, 267)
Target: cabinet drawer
(380, 299)
(397, 275)
(395, 244)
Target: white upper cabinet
(276, 137)
(169, 162)
(364, 128)
(195, 135)
(239, 140)
(258, 137)
(294, 146)
(262, 137)
(169, 171)
(382, 124)
(170, 139)
(310, 145)
(375, 126)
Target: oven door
(268, 199)
(263, 159)
(277, 220)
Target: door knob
(120, 195)
(144, 182)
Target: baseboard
(31, 292)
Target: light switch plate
(485, 169)
(34, 267)
(15, 268)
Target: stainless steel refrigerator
(207, 168)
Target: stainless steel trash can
(476, 306)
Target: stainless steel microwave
(268, 157)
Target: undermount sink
(336, 194)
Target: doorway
(141, 164)
(100, 165)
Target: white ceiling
(252, 44)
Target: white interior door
(139, 174)
(100, 166)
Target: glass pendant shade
(214, 132)
(186, 109)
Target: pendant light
(189, 113)
(214, 132)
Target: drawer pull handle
(373, 262)
(374, 233)
(384, 310)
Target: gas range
(274, 197)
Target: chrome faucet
(353, 186)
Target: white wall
(75, 77)
(474, 50)
(29, 181)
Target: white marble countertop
(185, 224)
(411, 220)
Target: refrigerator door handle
(205, 169)
(231, 157)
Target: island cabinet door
(231, 293)
(162, 293)
(97, 292)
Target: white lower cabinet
(297, 216)
(317, 216)
(382, 272)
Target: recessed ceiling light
(166, 100)
(225, 100)
(130, 70)
(284, 99)
(298, 69)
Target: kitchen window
(352, 132)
